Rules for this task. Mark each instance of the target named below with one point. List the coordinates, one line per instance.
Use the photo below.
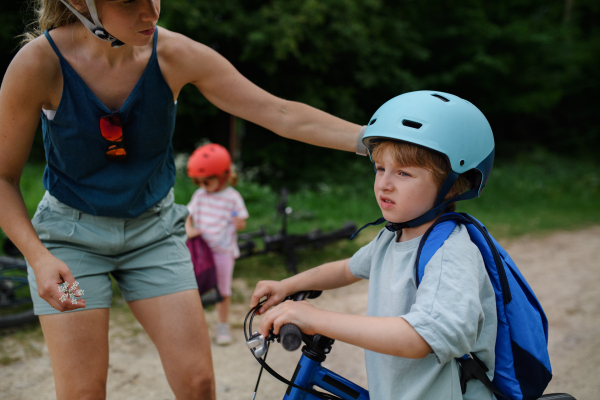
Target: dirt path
(562, 268)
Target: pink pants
(224, 265)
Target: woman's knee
(198, 384)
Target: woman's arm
(187, 61)
(28, 85)
(327, 276)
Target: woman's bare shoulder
(187, 56)
(37, 66)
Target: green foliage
(530, 66)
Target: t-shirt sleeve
(239, 206)
(360, 263)
(448, 312)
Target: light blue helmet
(446, 124)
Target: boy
(430, 149)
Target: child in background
(430, 149)
(217, 212)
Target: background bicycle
(16, 307)
(284, 243)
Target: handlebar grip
(290, 337)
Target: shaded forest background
(530, 65)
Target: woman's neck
(97, 49)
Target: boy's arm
(327, 276)
(387, 335)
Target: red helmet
(209, 160)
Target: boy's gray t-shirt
(454, 310)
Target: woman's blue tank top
(78, 172)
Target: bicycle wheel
(16, 307)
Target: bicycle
(285, 243)
(16, 306)
(309, 372)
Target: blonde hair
(50, 14)
(410, 155)
(233, 178)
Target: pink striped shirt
(213, 214)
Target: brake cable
(264, 365)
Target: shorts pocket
(40, 210)
(51, 226)
(173, 219)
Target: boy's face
(403, 193)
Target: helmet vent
(411, 124)
(462, 162)
(373, 121)
(441, 98)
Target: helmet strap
(437, 209)
(94, 27)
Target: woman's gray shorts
(146, 255)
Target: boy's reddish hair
(410, 155)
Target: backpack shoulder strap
(433, 239)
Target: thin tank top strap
(154, 45)
(60, 57)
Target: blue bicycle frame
(310, 373)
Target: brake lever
(256, 342)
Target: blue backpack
(522, 369)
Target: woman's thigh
(176, 325)
(78, 347)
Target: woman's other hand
(50, 273)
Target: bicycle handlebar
(290, 337)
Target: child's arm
(327, 276)
(387, 335)
(189, 228)
(239, 223)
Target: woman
(108, 109)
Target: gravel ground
(562, 268)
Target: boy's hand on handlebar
(274, 291)
(51, 273)
(300, 313)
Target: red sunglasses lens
(110, 128)
(115, 153)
